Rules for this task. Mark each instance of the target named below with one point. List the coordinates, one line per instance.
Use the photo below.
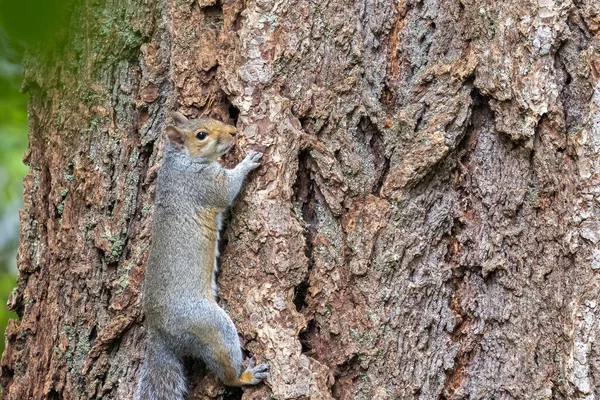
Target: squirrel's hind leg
(219, 348)
(229, 373)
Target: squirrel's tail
(162, 375)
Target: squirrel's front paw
(254, 374)
(252, 160)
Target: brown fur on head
(203, 137)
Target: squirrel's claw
(260, 372)
(255, 156)
(260, 368)
(252, 160)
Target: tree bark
(425, 224)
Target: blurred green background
(23, 24)
(13, 144)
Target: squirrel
(182, 316)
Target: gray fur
(180, 320)
(162, 375)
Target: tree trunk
(425, 224)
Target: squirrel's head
(203, 137)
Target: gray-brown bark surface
(425, 223)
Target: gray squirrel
(182, 315)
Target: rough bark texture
(426, 222)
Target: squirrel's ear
(176, 135)
(179, 118)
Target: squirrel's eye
(201, 135)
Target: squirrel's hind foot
(253, 375)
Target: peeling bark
(425, 223)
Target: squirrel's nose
(232, 131)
